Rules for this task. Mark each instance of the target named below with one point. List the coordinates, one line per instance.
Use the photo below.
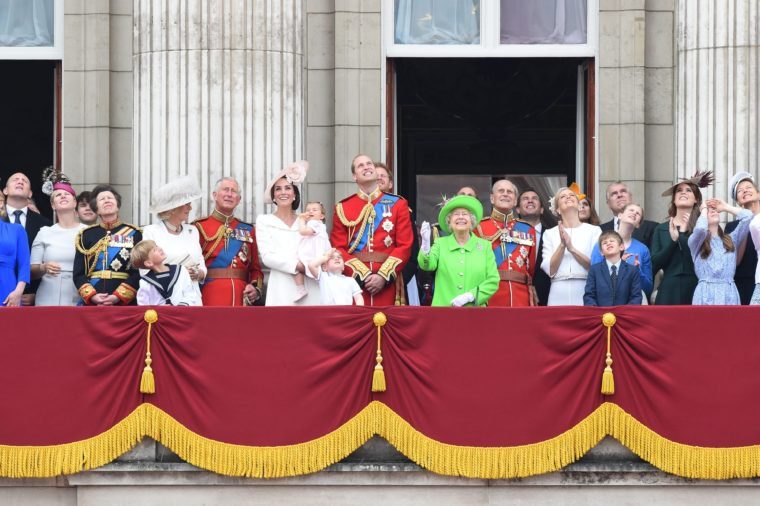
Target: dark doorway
(485, 117)
(28, 129)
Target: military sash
(382, 211)
(121, 240)
(507, 241)
(239, 236)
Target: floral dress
(716, 273)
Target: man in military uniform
(373, 232)
(103, 273)
(229, 246)
(514, 242)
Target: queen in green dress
(464, 265)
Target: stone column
(217, 92)
(718, 86)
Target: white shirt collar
(617, 265)
(10, 210)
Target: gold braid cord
(216, 238)
(91, 254)
(366, 216)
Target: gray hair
(222, 180)
(624, 185)
(473, 219)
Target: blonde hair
(321, 206)
(140, 253)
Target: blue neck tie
(17, 216)
(613, 279)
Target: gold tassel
(608, 380)
(148, 382)
(378, 376)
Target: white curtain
(437, 21)
(26, 22)
(543, 22)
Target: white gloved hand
(425, 237)
(461, 300)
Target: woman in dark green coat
(670, 246)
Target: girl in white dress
(567, 251)
(53, 251)
(314, 242)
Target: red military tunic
(232, 259)
(514, 244)
(374, 234)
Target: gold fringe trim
(377, 418)
(70, 458)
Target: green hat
(460, 201)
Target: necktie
(613, 279)
(17, 216)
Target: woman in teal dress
(670, 241)
(464, 265)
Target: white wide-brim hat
(295, 173)
(175, 193)
(738, 178)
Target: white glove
(461, 300)
(425, 237)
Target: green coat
(459, 269)
(674, 258)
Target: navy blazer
(599, 286)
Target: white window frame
(490, 39)
(54, 52)
(490, 47)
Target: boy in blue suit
(612, 282)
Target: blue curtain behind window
(26, 23)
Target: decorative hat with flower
(295, 173)
(54, 179)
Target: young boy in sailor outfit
(162, 284)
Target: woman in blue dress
(636, 253)
(714, 253)
(14, 263)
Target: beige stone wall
(343, 74)
(343, 98)
(635, 100)
(97, 95)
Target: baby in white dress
(314, 242)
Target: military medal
(387, 225)
(387, 241)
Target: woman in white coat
(277, 236)
(178, 239)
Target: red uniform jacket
(232, 259)
(374, 235)
(514, 244)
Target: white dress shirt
(11, 218)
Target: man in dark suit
(531, 209)
(618, 196)
(612, 282)
(744, 191)
(18, 191)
